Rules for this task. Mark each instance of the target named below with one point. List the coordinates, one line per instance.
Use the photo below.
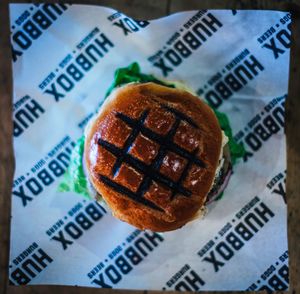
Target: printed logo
(32, 23)
(252, 218)
(277, 39)
(75, 65)
(232, 78)
(274, 278)
(262, 126)
(66, 231)
(277, 185)
(44, 173)
(125, 24)
(124, 258)
(26, 111)
(183, 43)
(186, 279)
(30, 263)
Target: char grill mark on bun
(151, 172)
(151, 153)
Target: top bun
(151, 153)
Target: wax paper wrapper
(64, 58)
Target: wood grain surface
(149, 9)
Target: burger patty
(221, 179)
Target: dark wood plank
(180, 5)
(6, 151)
(139, 9)
(293, 157)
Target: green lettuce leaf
(130, 74)
(75, 180)
(236, 150)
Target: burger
(155, 153)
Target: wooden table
(150, 9)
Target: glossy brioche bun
(151, 153)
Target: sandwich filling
(223, 173)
